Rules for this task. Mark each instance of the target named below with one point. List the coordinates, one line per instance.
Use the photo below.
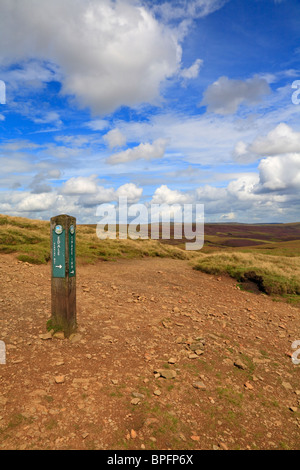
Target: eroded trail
(165, 358)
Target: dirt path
(232, 383)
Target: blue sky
(160, 101)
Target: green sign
(72, 252)
(59, 252)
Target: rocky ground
(165, 357)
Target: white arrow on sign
(60, 267)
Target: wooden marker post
(63, 278)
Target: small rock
(199, 352)
(75, 338)
(135, 401)
(59, 335)
(59, 379)
(248, 386)
(287, 386)
(294, 409)
(157, 393)
(193, 356)
(138, 395)
(195, 438)
(133, 434)
(3, 401)
(172, 360)
(46, 336)
(199, 385)
(168, 373)
(240, 365)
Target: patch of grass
(230, 395)
(50, 325)
(273, 274)
(30, 240)
(48, 398)
(16, 420)
(30, 259)
(51, 424)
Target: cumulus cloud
(115, 138)
(279, 173)
(80, 185)
(109, 53)
(165, 195)
(131, 191)
(229, 216)
(99, 196)
(36, 202)
(281, 140)
(146, 151)
(225, 96)
(92, 194)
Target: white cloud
(141, 152)
(243, 189)
(192, 71)
(51, 117)
(229, 216)
(280, 172)
(97, 124)
(187, 9)
(165, 195)
(80, 185)
(210, 193)
(99, 196)
(115, 138)
(131, 191)
(110, 53)
(225, 96)
(280, 140)
(36, 202)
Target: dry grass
(30, 240)
(273, 274)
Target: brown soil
(101, 391)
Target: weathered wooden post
(63, 279)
